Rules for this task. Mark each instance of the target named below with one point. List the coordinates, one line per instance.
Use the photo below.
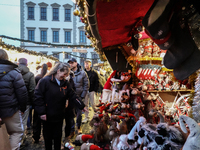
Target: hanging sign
(79, 50)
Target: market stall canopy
(113, 23)
(116, 19)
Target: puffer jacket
(94, 80)
(81, 82)
(13, 93)
(50, 98)
(29, 80)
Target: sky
(10, 20)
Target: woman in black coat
(51, 94)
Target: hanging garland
(21, 50)
(76, 56)
(43, 43)
(83, 17)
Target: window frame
(55, 30)
(95, 57)
(53, 13)
(32, 34)
(32, 12)
(67, 13)
(56, 53)
(82, 35)
(68, 54)
(67, 30)
(83, 59)
(30, 4)
(42, 7)
(43, 37)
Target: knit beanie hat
(100, 116)
(86, 137)
(95, 147)
(49, 64)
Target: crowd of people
(55, 93)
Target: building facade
(53, 22)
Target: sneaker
(85, 120)
(80, 131)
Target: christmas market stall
(153, 91)
(34, 58)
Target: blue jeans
(78, 117)
(29, 121)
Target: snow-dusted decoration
(196, 100)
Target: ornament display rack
(145, 56)
(167, 91)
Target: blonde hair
(59, 66)
(3, 54)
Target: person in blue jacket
(51, 94)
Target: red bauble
(82, 19)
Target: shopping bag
(4, 140)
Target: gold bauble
(76, 12)
(88, 28)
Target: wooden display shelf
(146, 58)
(170, 91)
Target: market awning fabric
(116, 19)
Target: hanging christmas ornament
(82, 19)
(76, 12)
(85, 16)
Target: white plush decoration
(137, 127)
(196, 104)
(67, 145)
(123, 145)
(193, 140)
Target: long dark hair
(43, 70)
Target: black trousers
(36, 126)
(69, 122)
(52, 131)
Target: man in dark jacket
(81, 82)
(29, 80)
(70, 111)
(13, 97)
(91, 95)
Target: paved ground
(30, 145)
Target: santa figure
(107, 91)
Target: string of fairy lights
(19, 49)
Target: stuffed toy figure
(107, 91)
(90, 146)
(193, 140)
